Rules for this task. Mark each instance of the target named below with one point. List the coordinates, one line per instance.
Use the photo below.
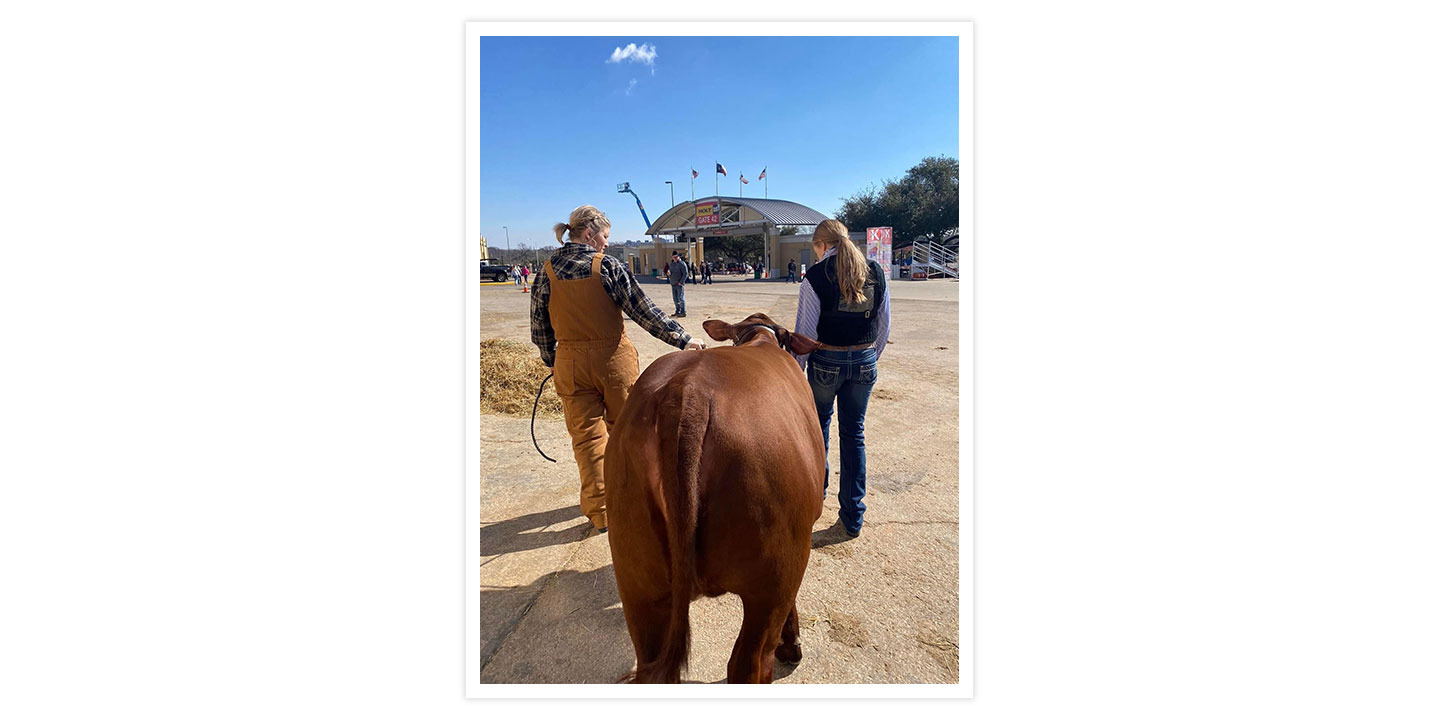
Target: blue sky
(561, 124)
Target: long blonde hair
(851, 269)
(582, 218)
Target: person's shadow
(507, 536)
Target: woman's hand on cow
(695, 344)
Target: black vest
(841, 323)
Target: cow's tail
(681, 438)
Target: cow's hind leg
(647, 619)
(753, 659)
(789, 649)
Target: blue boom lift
(624, 188)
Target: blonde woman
(575, 320)
(844, 304)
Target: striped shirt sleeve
(883, 331)
(807, 316)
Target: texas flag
(721, 169)
(762, 175)
(694, 174)
(742, 179)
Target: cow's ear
(801, 345)
(719, 329)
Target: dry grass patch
(510, 372)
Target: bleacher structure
(933, 259)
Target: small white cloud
(644, 54)
(632, 86)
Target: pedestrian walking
(575, 321)
(676, 273)
(791, 277)
(525, 275)
(845, 306)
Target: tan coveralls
(595, 366)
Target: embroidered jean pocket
(868, 374)
(824, 375)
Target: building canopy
(747, 215)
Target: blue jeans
(677, 292)
(847, 376)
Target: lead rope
(532, 417)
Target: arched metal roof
(774, 212)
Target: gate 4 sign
(877, 246)
(707, 213)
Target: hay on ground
(510, 372)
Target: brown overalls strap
(582, 313)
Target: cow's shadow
(507, 536)
(565, 627)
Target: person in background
(709, 270)
(677, 273)
(791, 277)
(525, 275)
(515, 274)
(575, 320)
(844, 304)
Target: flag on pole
(721, 169)
(762, 175)
(743, 180)
(693, 173)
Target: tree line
(924, 204)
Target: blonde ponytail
(851, 269)
(585, 217)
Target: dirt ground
(881, 608)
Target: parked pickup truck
(493, 273)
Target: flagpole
(742, 185)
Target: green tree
(925, 203)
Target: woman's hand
(695, 344)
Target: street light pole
(507, 242)
(672, 192)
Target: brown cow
(714, 477)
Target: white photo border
(964, 32)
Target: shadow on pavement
(507, 536)
(573, 633)
(832, 535)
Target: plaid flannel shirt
(572, 262)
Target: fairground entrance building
(691, 223)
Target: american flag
(743, 180)
(693, 174)
(762, 175)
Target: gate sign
(877, 246)
(706, 213)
